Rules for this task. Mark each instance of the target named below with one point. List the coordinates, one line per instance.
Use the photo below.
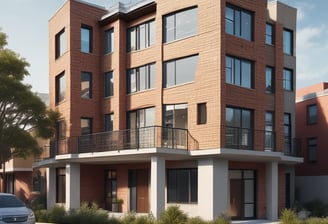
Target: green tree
(21, 111)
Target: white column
(212, 187)
(51, 187)
(157, 186)
(72, 185)
(272, 190)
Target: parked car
(13, 210)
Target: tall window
(141, 118)
(182, 185)
(86, 39)
(239, 128)
(86, 126)
(269, 80)
(312, 114)
(180, 25)
(109, 84)
(60, 185)
(141, 78)
(269, 34)
(176, 116)
(141, 36)
(312, 147)
(111, 190)
(288, 79)
(60, 87)
(109, 119)
(201, 113)
(269, 131)
(288, 41)
(86, 85)
(239, 22)
(180, 71)
(287, 132)
(109, 41)
(239, 72)
(60, 43)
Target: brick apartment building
(187, 102)
(312, 130)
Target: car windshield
(8, 201)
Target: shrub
(173, 215)
(317, 208)
(196, 220)
(288, 216)
(87, 214)
(222, 219)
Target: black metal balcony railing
(292, 147)
(244, 138)
(147, 137)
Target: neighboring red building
(312, 129)
(174, 102)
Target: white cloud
(312, 47)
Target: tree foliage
(21, 111)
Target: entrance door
(235, 198)
(242, 194)
(139, 187)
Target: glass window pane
(150, 117)
(142, 78)
(186, 69)
(152, 33)
(85, 40)
(109, 84)
(169, 69)
(268, 34)
(288, 42)
(229, 20)
(132, 80)
(86, 126)
(269, 79)
(246, 74)
(152, 76)
(109, 119)
(169, 29)
(142, 36)
(246, 26)
(186, 23)
(249, 191)
(109, 41)
(85, 85)
(193, 185)
(183, 186)
(132, 39)
(246, 119)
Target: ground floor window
(111, 190)
(60, 185)
(182, 185)
(242, 194)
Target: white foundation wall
(311, 187)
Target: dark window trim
(309, 121)
(58, 43)
(174, 13)
(190, 197)
(84, 26)
(58, 88)
(310, 146)
(111, 88)
(90, 84)
(291, 79)
(91, 125)
(236, 8)
(291, 42)
(201, 109)
(109, 49)
(137, 37)
(252, 70)
(272, 34)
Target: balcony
(147, 137)
(243, 138)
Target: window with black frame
(182, 185)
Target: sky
(26, 24)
